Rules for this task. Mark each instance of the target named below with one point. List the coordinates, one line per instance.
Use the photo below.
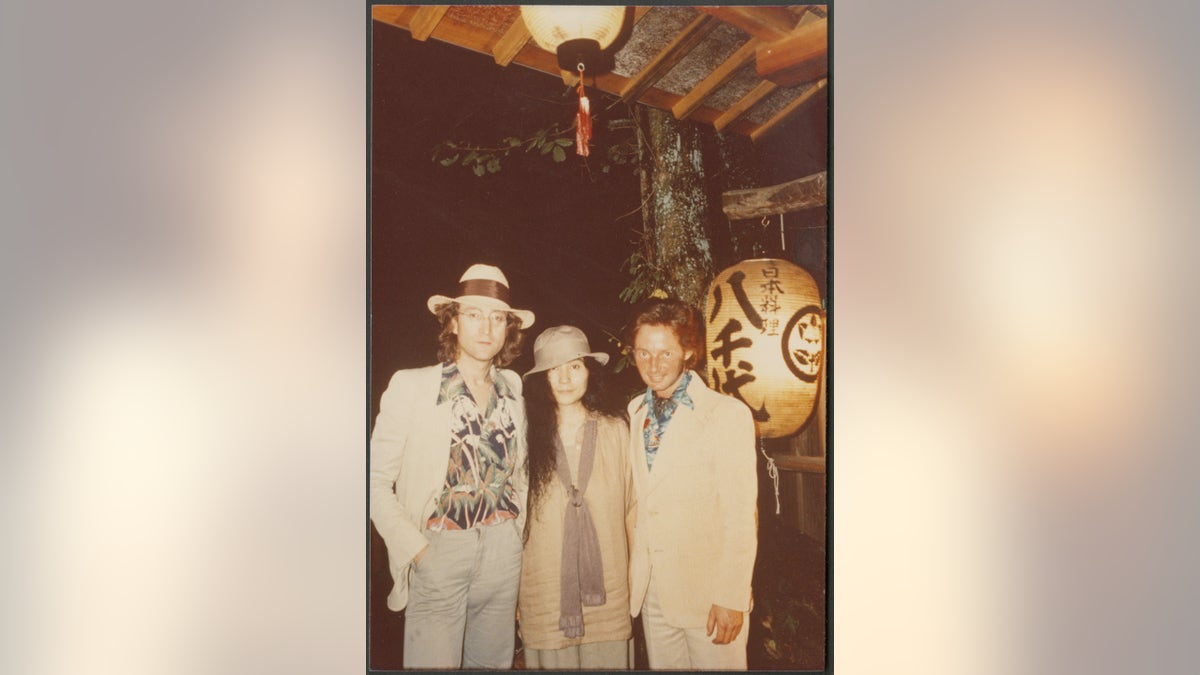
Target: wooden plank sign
(765, 341)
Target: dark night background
(559, 231)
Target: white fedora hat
(558, 345)
(486, 287)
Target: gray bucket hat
(558, 345)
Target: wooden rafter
(390, 14)
(689, 37)
(765, 23)
(718, 77)
(802, 56)
(788, 109)
(738, 109)
(425, 20)
(511, 42)
(500, 33)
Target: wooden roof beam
(789, 109)
(390, 14)
(738, 109)
(715, 79)
(511, 42)
(765, 23)
(425, 20)
(802, 193)
(687, 38)
(802, 56)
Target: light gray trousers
(462, 600)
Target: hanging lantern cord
(766, 222)
(772, 470)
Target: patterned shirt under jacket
(660, 412)
(478, 488)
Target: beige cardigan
(610, 499)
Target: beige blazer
(410, 452)
(696, 515)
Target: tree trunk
(677, 205)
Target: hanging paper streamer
(583, 120)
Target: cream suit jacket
(410, 453)
(697, 508)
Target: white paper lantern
(573, 32)
(765, 341)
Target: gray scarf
(582, 576)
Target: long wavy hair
(514, 337)
(541, 413)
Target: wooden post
(809, 457)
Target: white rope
(772, 471)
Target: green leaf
(559, 154)
(564, 142)
(470, 156)
(479, 170)
(547, 147)
(512, 141)
(450, 160)
(493, 165)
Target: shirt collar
(680, 395)
(453, 383)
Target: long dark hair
(541, 413)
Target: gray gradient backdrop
(183, 260)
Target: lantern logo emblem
(804, 343)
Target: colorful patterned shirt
(659, 411)
(478, 488)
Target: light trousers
(671, 647)
(462, 600)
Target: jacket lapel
(679, 436)
(436, 426)
(675, 442)
(637, 446)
